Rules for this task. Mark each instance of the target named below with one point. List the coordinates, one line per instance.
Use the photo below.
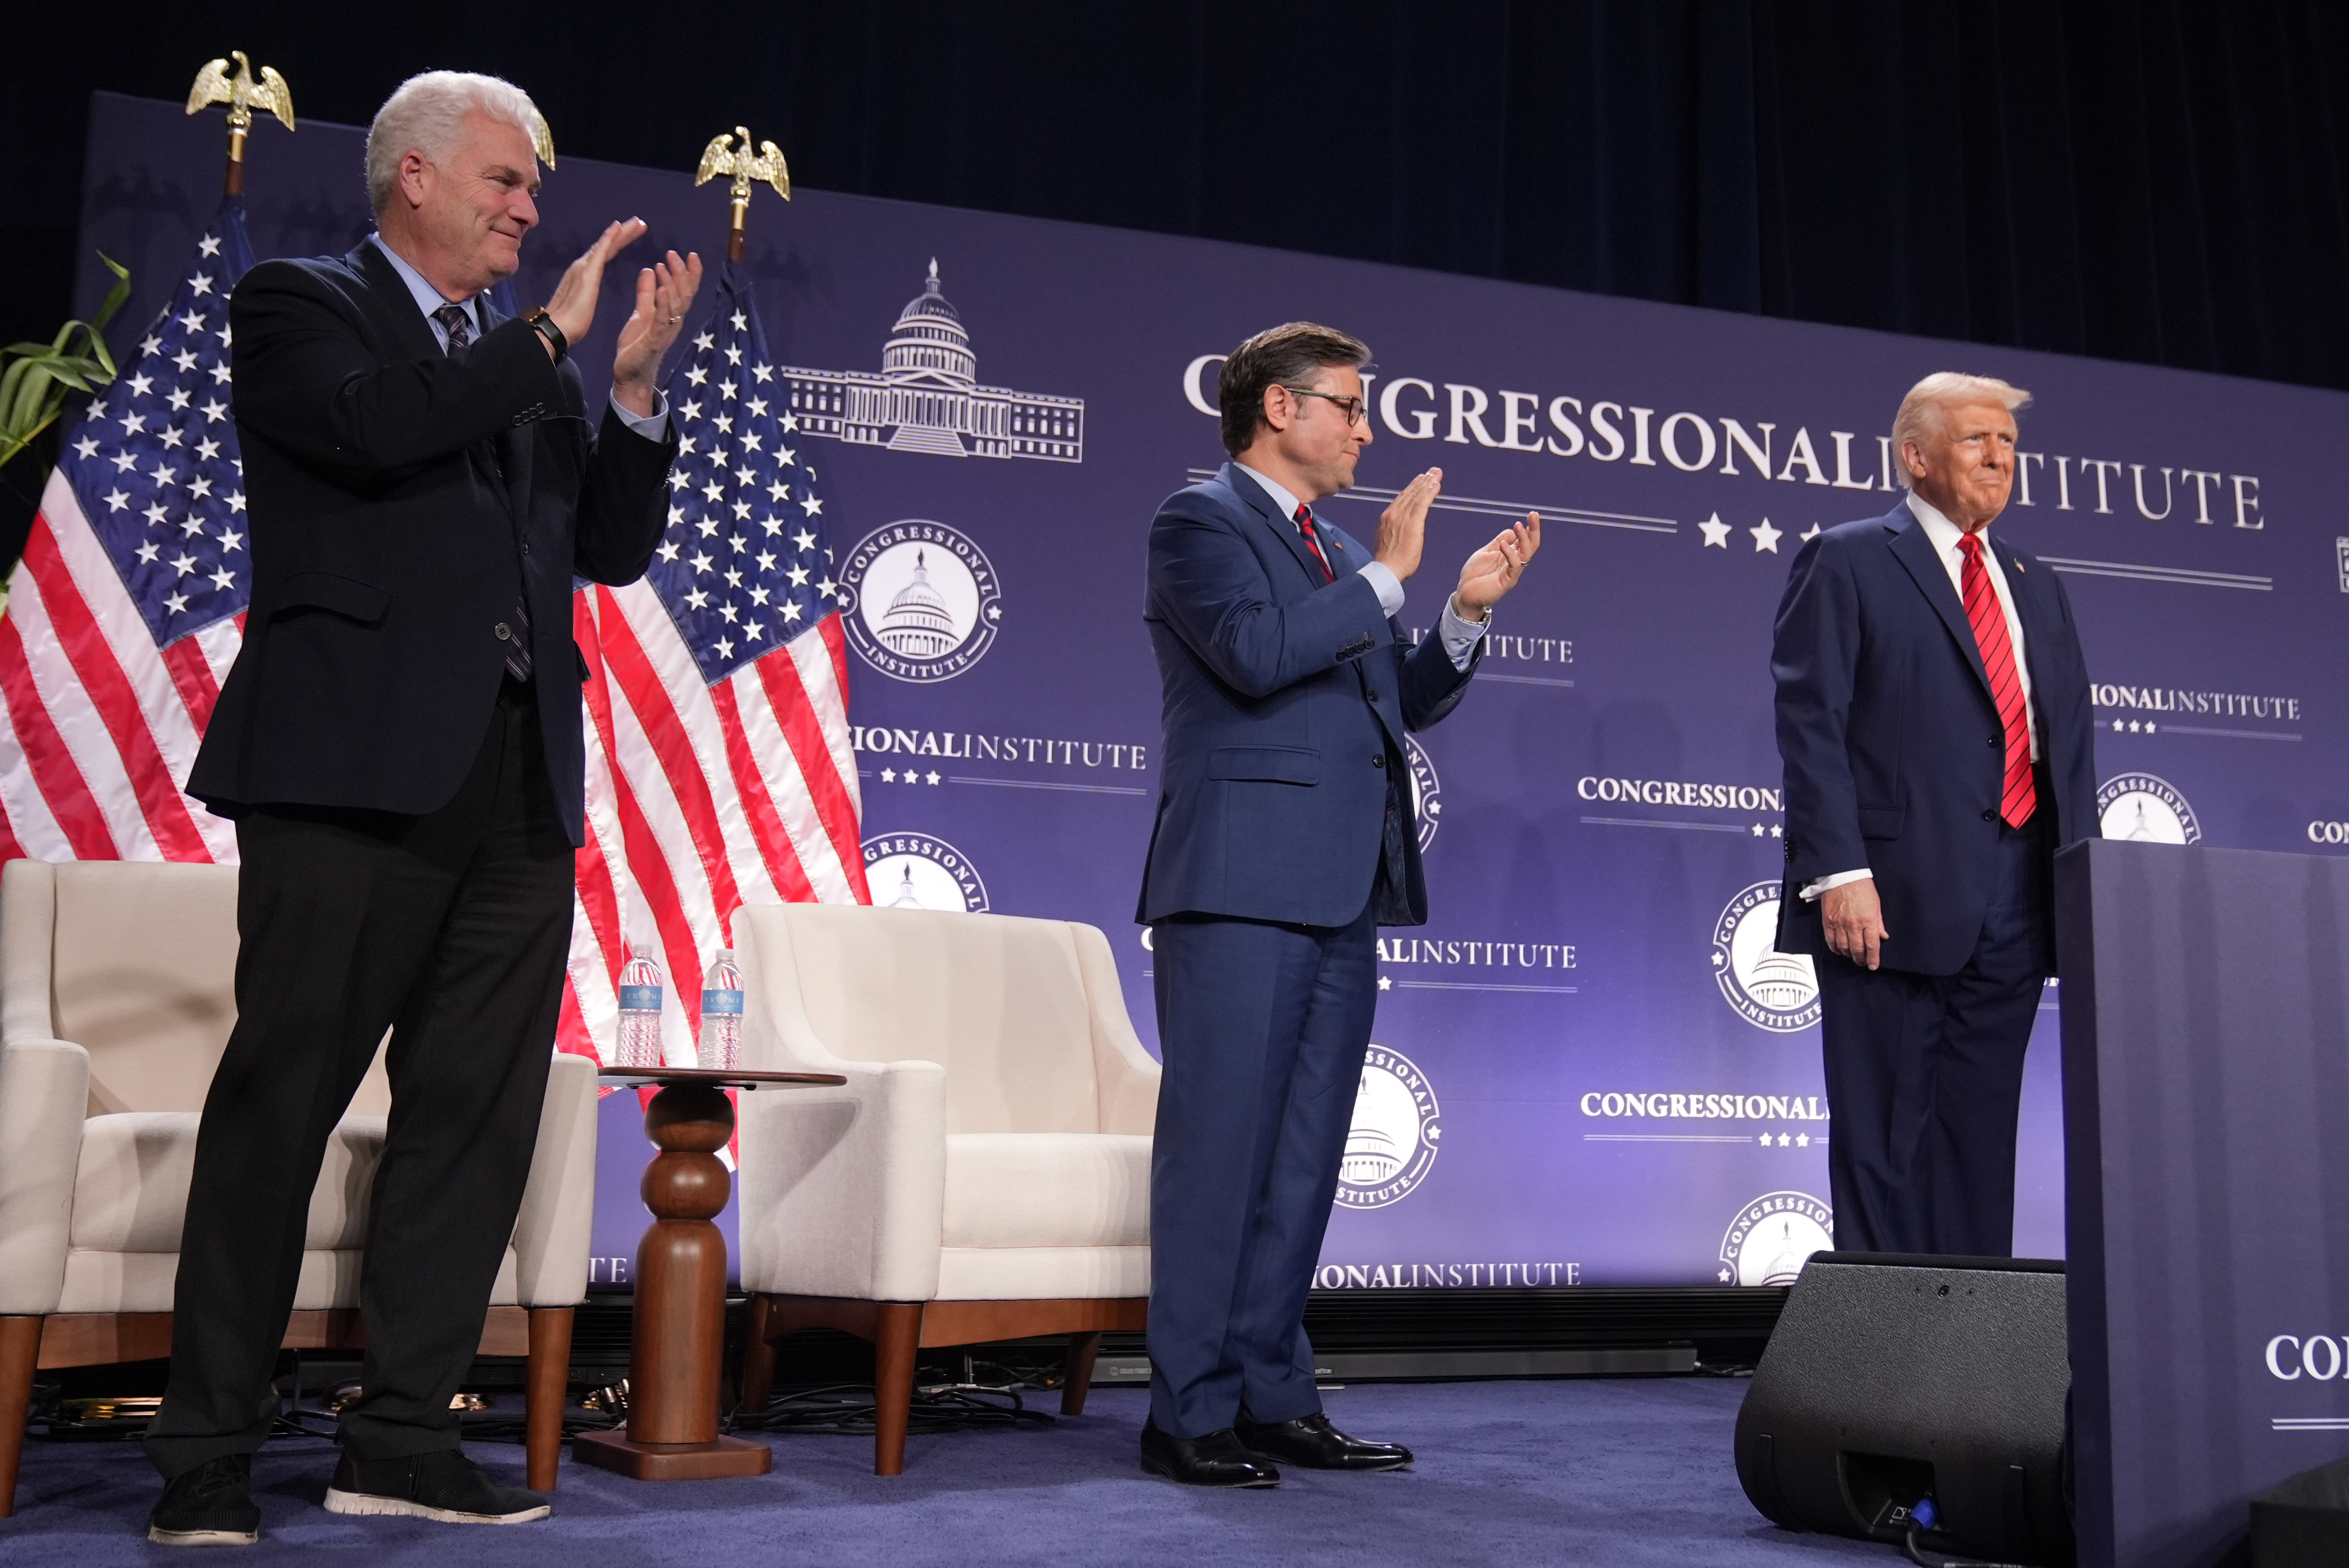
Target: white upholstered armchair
(984, 1174)
(117, 994)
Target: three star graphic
(911, 776)
(1764, 535)
(1797, 1141)
(2134, 727)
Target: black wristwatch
(543, 325)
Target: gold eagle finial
(767, 164)
(244, 90)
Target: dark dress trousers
(406, 814)
(1284, 839)
(1895, 758)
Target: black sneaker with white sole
(211, 1505)
(443, 1485)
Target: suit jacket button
(1373, 696)
(1995, 740)
(1380, 761)
(1990, 816)
(505, 633)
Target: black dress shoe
(1310, 1442)
(443, 1485)
(211, 1505)
(1217, 1459)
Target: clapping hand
(665, 293)
(1488, 575)
(1402, 527)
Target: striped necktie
(2022, 795)
(1313, 540)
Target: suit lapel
(2037, 631)
(1283, 528)
(391, 306)
(1914, 550)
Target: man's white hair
(1922, 412)
(427, 114)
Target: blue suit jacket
(1287, 699)
(1895, 756)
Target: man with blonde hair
(398, 744)
(1933, 716)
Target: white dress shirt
(1945, 536)
(651, 426)
(1459, 636)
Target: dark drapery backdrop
(2159, 180)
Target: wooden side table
(679, 1343)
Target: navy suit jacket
(401, 502)
(1286, 703)
(1895, 754)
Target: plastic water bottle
(640, 1011)
(721, 1014)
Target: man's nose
(523, 209)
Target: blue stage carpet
(1614, 1472)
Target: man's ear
(414, 175)
(1279, 408)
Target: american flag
(718, 765)
(127, 609)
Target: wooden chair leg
(546, 1382)
(20, 1352)
(758, 1383)
(896, 1340)
(1077, 1372)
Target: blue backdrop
(1589, 1068)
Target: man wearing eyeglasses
(1285, 837)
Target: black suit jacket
(401, 500)
(1286, 702)
(1896, 760)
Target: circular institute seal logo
(1395, 1133)
(1773, 1236)
(2148, 809)
(922, 870)
(1426, 793)
(922, 601)
(1771, 989)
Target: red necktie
(1313, 540)
(1989, 620)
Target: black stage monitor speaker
(1892, 1378)
(2304, 1522)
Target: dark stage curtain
(2158, 181)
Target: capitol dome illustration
(928, 397)
(907, 897)
(930, 344)
(1787, 1265)
(918, 624)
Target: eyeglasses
(1355, 409)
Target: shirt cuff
(1460, 637)
(1385, 585)
(651, 426)
(1813, 889)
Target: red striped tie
(1313, 540)
(2005, 685)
